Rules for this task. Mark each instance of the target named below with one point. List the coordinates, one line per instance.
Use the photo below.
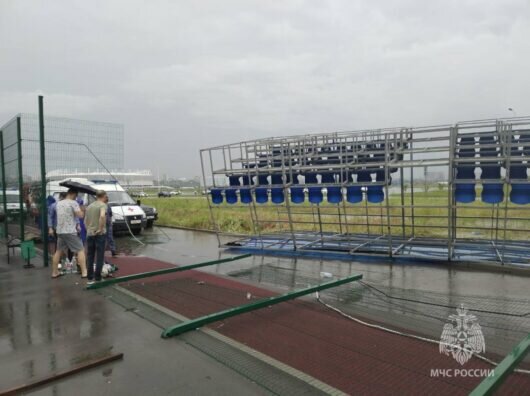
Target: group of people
(73, 226)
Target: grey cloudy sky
(183, 75)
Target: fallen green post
(204, 320)
(113, 281)
(503, 369)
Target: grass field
(476, 221)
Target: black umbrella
(79, 187)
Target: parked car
(164, 194)
(150, 213)
(138, 194)
(12, 202)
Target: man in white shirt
(67, 212)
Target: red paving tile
(311, 338)
(129, 265)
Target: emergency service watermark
(461, 338)
(454, 373)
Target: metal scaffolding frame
(400, 218)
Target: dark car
(151, 215)
(164, 194)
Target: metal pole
(263, 303)
(44, 209)
(503, 370)
(210, 209)
(20, 179)
(412, 186)
(451, 203)
(387, 181)
(286, 189)
(401, 182)
(142, 275)
(506, 131)
(4, 184)
(252, 205)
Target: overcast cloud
(184, 75)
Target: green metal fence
(35, 150)
(24, 210)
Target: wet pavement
(187, 247)
(50, 325)
(410, 296)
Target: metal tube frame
(344, 153)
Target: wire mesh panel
(71, 148)
(70, 145)
(15, 208)
(449, 192)
(378, 336)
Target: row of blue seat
(374, 194)
(354, 194)
(364, 152)
(491, 192)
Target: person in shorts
(52, 218)
(68, 211)
(95, 221)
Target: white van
(12, 202)
(125, 211)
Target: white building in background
(74, 148)
(126, 178)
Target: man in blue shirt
(52, 216)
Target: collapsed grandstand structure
(371, 193)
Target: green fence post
(489, 385)
(43, 205)
(20, 179)
(127, 278)
(193, 324)
(4, 183)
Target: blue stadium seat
(277, 195)
(375, 194)
(262, 195)
(231, 194)
(491, 192)
(364, 176)
(465, 193)
(314, 193)
(217, 196)
(354, 194)
(297, 193)
(334, 193)
(520, 193)
(244, 193)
